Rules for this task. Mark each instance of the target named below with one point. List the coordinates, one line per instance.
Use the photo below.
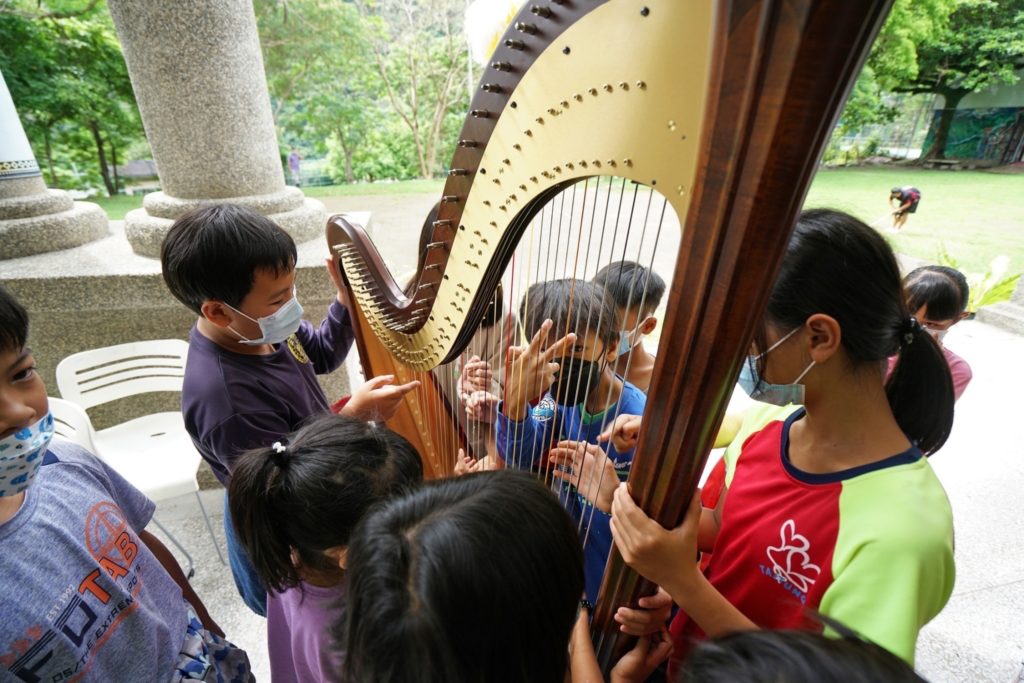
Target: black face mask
(576, 379)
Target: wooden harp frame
(735, 164)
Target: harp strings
(579, 231)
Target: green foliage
(991, 287)
(64, 68)
(387, 152)
(982, 45)
(420, 57)
(893, 60)
(376, 85)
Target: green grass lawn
(976, 215)
(117, 207)
(397, 187)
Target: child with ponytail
(294, 506)
(834, 508)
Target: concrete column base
(304, 219)
(48, 221)
(1008, 315)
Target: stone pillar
(198, 77)
(34, 219)
(1008, 315)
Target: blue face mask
(625, 344)
(21, 454)
(766, 392)
(275, 327)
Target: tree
(420, 57)
(892, 61)
(982, 45)
(64, 67)
(319, 72)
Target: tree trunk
(49, 158)
(952, 99)
(94, 126)
(113, 164)
(349, 176)
(348, 151)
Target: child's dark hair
(214, 253)
(469, 579)
(794, 657)
(632, 286)
(942, 289)
(308, 492)
(13, 323)
(573, 306)
(837, 265)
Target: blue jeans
(246, 581)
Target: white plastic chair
(71, 422)
(153, 452)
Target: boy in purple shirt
(250, 377)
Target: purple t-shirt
(959, 370)
(84, 598)
(299, 639)
(232, 402)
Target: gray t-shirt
(83, 598)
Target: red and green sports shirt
(871, 547)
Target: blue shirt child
(524, 444)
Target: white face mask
(21, 454)
(275, 327)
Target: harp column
(198, 77)
(34, 219)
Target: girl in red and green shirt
(833, 506)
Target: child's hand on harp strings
(465, 464)
(476, 376)
(530, 370)
(623, 433)
(378, 398)
(588, 468)
(481, 406)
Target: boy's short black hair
(943, 290)
(631, 286)
(214, 253)
(13, 323)
(573, 306)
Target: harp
(719, 107)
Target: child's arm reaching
(635, 666)
(377, 399)
(668, 558)
(531, 371)
(623, 433)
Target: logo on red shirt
(790, 561)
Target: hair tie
(909, 329)
(279, 451)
